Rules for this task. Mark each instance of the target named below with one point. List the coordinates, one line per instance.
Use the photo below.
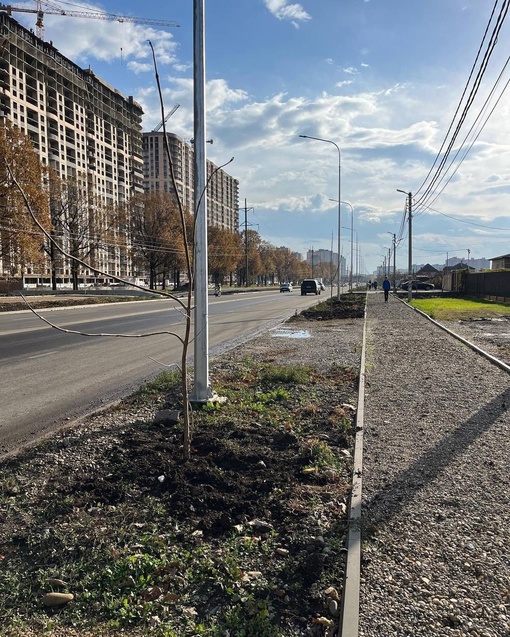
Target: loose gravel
(436, 483)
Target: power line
(474, 90)
(462, 96)
(469, 133)
(471, 223)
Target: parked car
(321, 285)
(417, 285)
(310, 286)
(286, 287)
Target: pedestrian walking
(386, 286)
(375, 285)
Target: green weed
(164, 382)
(285, 374)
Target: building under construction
(90, 135)
(222, 188)
(83, 129)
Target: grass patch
(226, 543)
(284, 374)
(453, 309)
(164, 382)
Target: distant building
(475, 264)
(500, 262)
(79, 126)
(222, 189)
(324, 258)
(427, 272)
(459, 266)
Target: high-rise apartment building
(81, 128)
(222, 189)
(322, 260)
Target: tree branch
(80, 261)
(116, 335)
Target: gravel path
(436, 483)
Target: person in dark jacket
(386, 286)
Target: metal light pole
(352, 249)
(329, 141)
(410, 259)
(202, 392)
(358, 260)
(352, 240)
(387, 261)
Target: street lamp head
(330, 141)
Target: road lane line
(45, 354)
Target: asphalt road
(50, 377)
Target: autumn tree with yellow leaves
(224, 251)
(157, 235)
(21, 240)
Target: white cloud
(351, 70)
(84, 40)
(182, 68)
(219, 95)
(138, 67)
(282, 10)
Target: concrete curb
(349, 625)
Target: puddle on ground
(288, 333)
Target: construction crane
(95, 15)
(155, 130)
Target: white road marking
(45, 354)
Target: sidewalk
(436, 484)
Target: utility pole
(394, 263)
(410, 256)
(246, 244)
(410, 259)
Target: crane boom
(167, 117)
(96, 15)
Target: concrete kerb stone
(349, 624)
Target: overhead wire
(474, 90)
(462, 96)
(476, 136)
(470, 223)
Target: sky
(381, 80)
